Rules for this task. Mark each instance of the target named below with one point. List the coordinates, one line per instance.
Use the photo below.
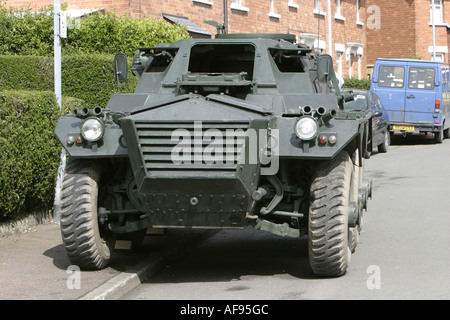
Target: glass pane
(393, 77)
(421, 78)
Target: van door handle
(410, 97)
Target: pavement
(34, 265)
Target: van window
(421, 78)
(393, 77)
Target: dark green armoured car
(243, 129)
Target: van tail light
(437, 105)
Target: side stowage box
(416, 95)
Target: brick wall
(424, 33)
(288, 16)
(405, 30)
(395, 35)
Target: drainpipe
(225, 15)
(434, 30)
(330, 40)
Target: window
(317, 8)
(438, 12)
(272, 13)
(339, 62)
(359, 103)
(338, 15)
(286, 62)
(393, 77)
(291, 4)
(375, 101)
(338, 8)
(358, 20)
(421, 78)
(317, 5)
(359, 67)
(238, 5)
(438, 57)
(222, 58)
(159, 60)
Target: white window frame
(338, 14)
(339, 62)
(438, 12)
(340, 52)
(440, 52)
(291, 4)
(237, 5)
(440, 57)
(359, 67)
(317, 5)
(209, 3)
(358, 18)
(272, 13)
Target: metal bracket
(277, 198)
(278, 229)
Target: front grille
(190, 147)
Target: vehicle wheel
(80, 231)
(328, 231)
(446, 133)
(439, 136)
(383, 148)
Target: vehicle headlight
(306, 128)
(92, 129)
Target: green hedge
(26, 33)
(354, 83)
(111, 34)
(29, 153)
(86, 77)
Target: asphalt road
(402, 252)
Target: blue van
(416, 95)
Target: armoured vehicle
(241, 130)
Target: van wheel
(439, 136)
(446, 133)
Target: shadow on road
(232, 254)
(414, 139)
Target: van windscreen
(421, 78)
(393, 77)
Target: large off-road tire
(328, 231)
(79, 220)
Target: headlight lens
(92, 129)
(306, 128)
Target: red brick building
(336, 27)
(405, 29)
